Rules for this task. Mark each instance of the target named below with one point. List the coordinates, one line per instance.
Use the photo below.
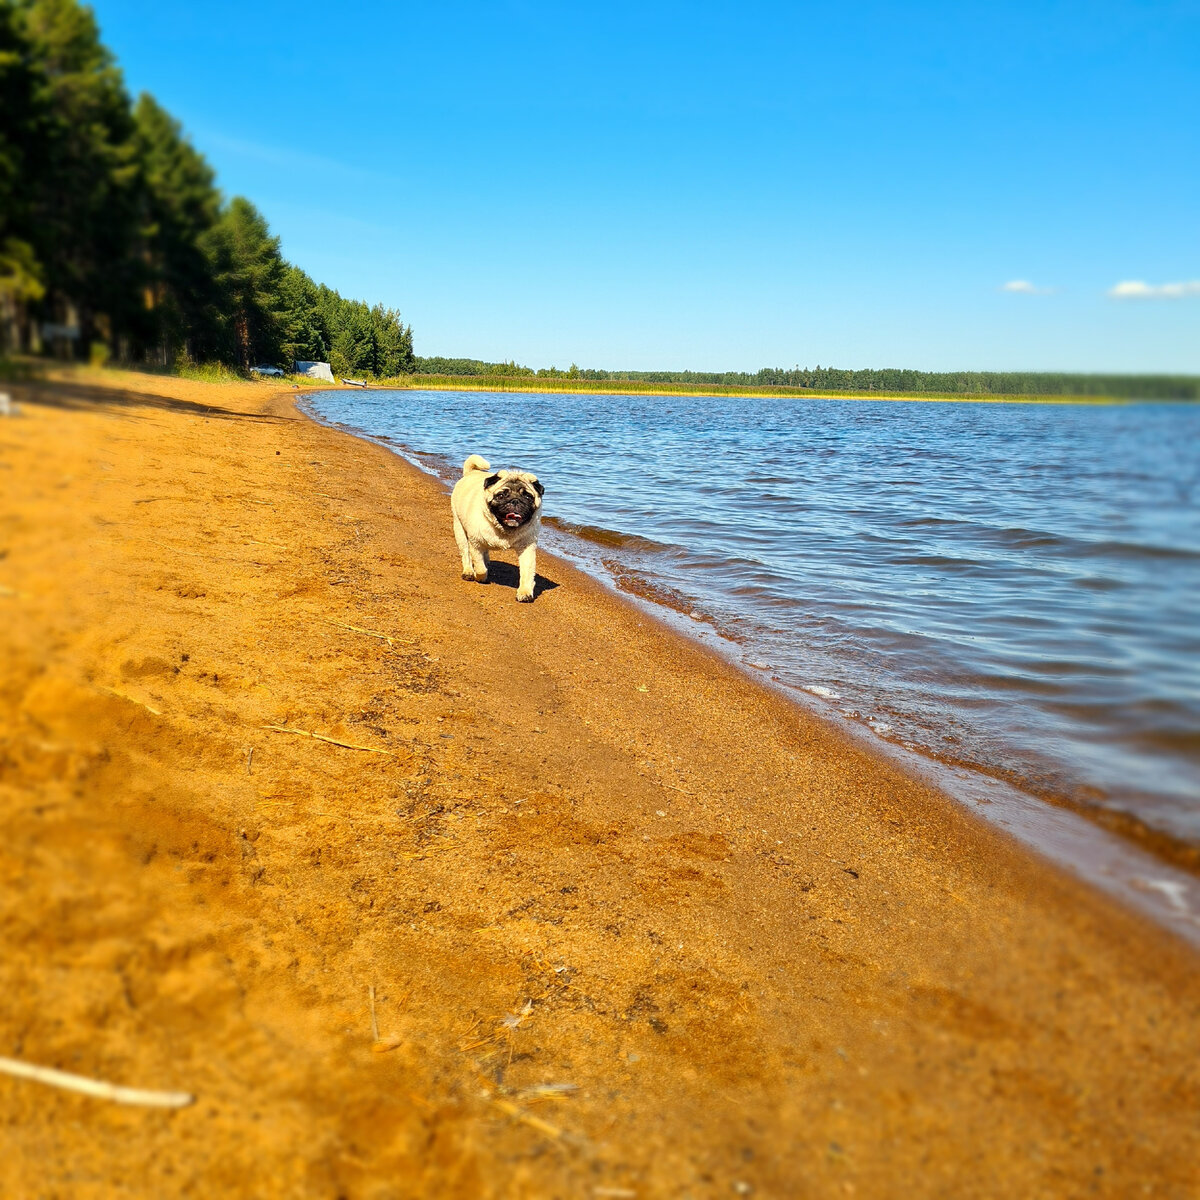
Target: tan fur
(477, 531)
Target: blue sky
(716, 186)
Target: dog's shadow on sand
(507, 575)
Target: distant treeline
(115, 242)
(887, 381)
(467, 366)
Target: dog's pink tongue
(512, 518)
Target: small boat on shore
(355, 383)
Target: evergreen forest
(115, 243)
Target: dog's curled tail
(475, 463)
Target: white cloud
(1024, 288)
(1135, 289)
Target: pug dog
(498, 510)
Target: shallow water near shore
(1007, 588)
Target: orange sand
(635, 926)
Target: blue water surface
(1012, 587)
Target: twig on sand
(674, 788)
(95, 1087)
(519, 1114)
(384, 637)
(131, 700)
(250, 762)
(332, 741)
(547, 1091)
(378, 1044)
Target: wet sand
(635, 926)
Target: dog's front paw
(479, 577)
(524, 597)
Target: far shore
(524, 383)
(565, 385)
(420, 891)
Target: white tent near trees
(315, 370)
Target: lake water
(1012, 588)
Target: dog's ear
(537, 487)
(490, 481)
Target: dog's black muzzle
(512, 509)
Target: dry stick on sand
(518, 1114)
(673, 787)
(378, 1044)
(95, 1087)
(332, 741)
(140, 703)
(386, 637)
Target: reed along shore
(549, 384)
(420, 891)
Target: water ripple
(1011, 587)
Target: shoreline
(618, 387)
(1145, 869)
(52, 372)
(632, 923)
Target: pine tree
(393, 342)
(304, 333)
(82, 172)
(247, 272)
(22, 275)
(180, 204)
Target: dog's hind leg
(464, 548)
(527, 563)
(473, 563)
(480, 564)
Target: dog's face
(513, 497)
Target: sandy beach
(633, 926)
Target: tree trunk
(242, 329)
